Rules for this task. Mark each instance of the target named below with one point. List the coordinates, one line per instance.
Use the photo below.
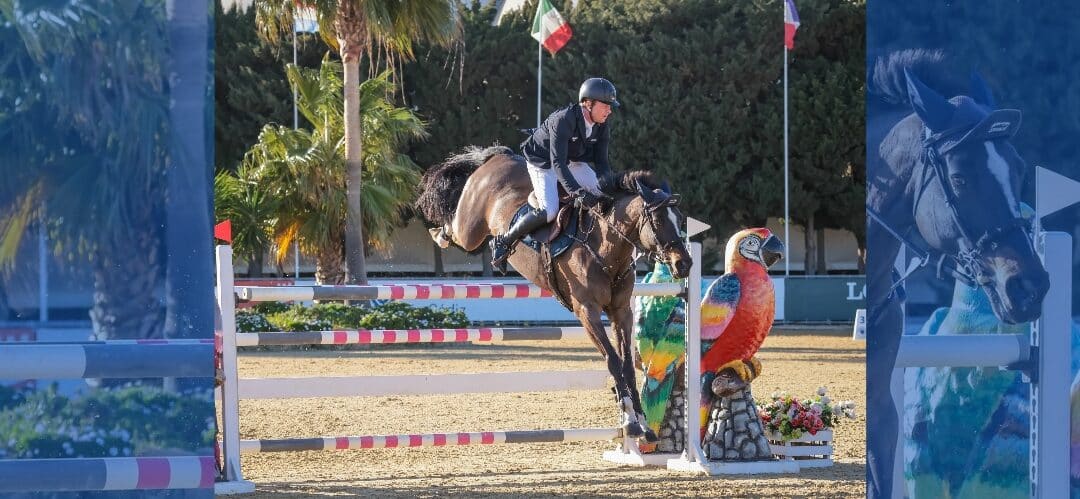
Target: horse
(473, 195)
(944, 181)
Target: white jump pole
(693, 456)
(1051, 337)
(228, 393)
(421, 384)
(963, 350)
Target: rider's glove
(590, 200)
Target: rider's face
(600, 111)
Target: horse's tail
(441, 186)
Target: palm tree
(251, 208)
(83, 115)
(383, 31)
(305, 170)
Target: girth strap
(549, 273)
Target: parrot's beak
(772, 251)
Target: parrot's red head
(757, 245)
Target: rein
(639, 251)
(596, 215)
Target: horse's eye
(958, 180)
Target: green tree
(482, 95)
(251, 208)
(359, 28)
(250, 88)
(1021, 50)
(304, 170)
(827, 112)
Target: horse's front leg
(622, 324)
(589, 315)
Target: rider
(559, 152)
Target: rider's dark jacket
(561, 139)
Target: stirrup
(500, 263)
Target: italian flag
(549, 28)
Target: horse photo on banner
(105, 232)
(970, 315)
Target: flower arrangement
(790, 417)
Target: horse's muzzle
(1024, 296)
(682, 267)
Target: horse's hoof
(633, 430)
(651, 436)
(638, 431)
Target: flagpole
(539, 79)
(787, 213)
(295, 125)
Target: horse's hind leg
(441, 236)
(589, 315)
(468, 233)
(622, 323)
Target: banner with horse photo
(972, 219)
(107, 314)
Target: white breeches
(545, 184)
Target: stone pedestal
(672, 431)
(734, 431)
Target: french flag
(791, 23)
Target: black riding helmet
(598, 89)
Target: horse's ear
(657, 199)
(933, 109)
(641, 189)
(980, 91)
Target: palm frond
(86, 122)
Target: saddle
(552, 239)
(557, 235)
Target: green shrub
(270, 307)
(340, 315)
(328, 316)
(252, 322)
(298, 318)
(11, 396)
(290, 323)
(106, 423)
(399, 315)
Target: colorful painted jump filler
(737, 313)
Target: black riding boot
(501, 245)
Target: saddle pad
(567, 221)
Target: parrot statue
(661, 343)
(737, 313)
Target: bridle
(655, 225)
(967, 265)
(665, 247)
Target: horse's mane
(627, 182)
(441, 185)
(887, 85)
